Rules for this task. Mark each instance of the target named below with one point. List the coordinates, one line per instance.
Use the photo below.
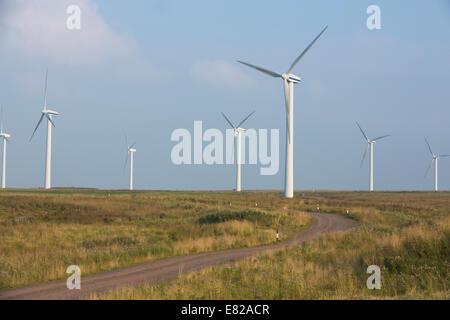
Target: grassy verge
(406, 234)
(44, 232)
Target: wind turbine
(288, 79)
(46, 113)
(435, 160)
(238, 136)
(130, 154)
(370, 144)
(5, 136)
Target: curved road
(169, 269)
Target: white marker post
(277, 235)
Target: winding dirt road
(168, 269)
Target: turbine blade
(270, 73)
(429, 147)
(1, 120)
(444, 155)
(242, 122)
(50, 119)
(362, 131)
(126, 138)
(37, 126)
(134, 143)
(382, 137)
(429, 167)
(126, 161)
(364, 155)
(45, 90)
(306, 50)
(228, 120)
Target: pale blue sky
(145, 67)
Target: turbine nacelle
(291, 78)
(132, 150)
(50, 112)
(5, 135)
(238, 130)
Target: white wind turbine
(238, 136)
(288, 79)
(130, 154)
(5, 136)
(435, 160)
(370, 144)
(46, 113)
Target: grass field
(407, 234)
(44, 232)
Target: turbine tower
(5, 136)
(370, 144)
(46, 113)
(288, 79)
(435, 161)
(130, 154)
(238, 136)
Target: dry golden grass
(42, 233)
(406, 234)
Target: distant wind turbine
(435, 160)
(5, 136)
(238, 136)
(46, 113)
(288, 79)
(130, 154)
(370, 144)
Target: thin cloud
(220, 73)
(37, 30)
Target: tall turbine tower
(47, 114)
(130, 154)
(288, 79)
(370, 144)
(5, 137)
(238, 136)
(435, 160)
